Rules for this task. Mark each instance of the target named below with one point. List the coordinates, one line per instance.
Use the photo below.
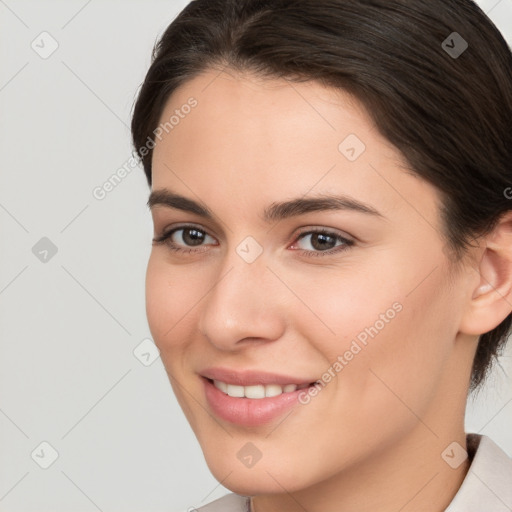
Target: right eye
(184, 238)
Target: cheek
(402, 360)
(169, 309)
(169, 303)
(379, 334)
(340, 307)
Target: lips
(253, 377)
(250, 398)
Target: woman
(331, 272)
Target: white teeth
(274, 389)
(236, 391)
(257, 391)
(254, 391)
(221, 385)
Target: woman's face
(257, 295)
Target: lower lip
(248, 411)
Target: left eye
(321, 241)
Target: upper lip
(251, 377)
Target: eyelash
(165, 239)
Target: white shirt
(487, 486)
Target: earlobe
(491, 295)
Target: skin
(372, 439)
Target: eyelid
(167, 232)
(346, 241)
(327, 230)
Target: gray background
(70, 321)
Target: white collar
(487, 486)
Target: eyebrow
(274, 212)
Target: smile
(256, 391)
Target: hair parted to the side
(450, 117)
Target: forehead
(249, 111)
(250, 138)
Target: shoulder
(229, 503)
(488, 483)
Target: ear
(490, 297)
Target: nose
(245, 304)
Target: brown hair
(446, 107)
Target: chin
(263, 478)
(249, 484)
